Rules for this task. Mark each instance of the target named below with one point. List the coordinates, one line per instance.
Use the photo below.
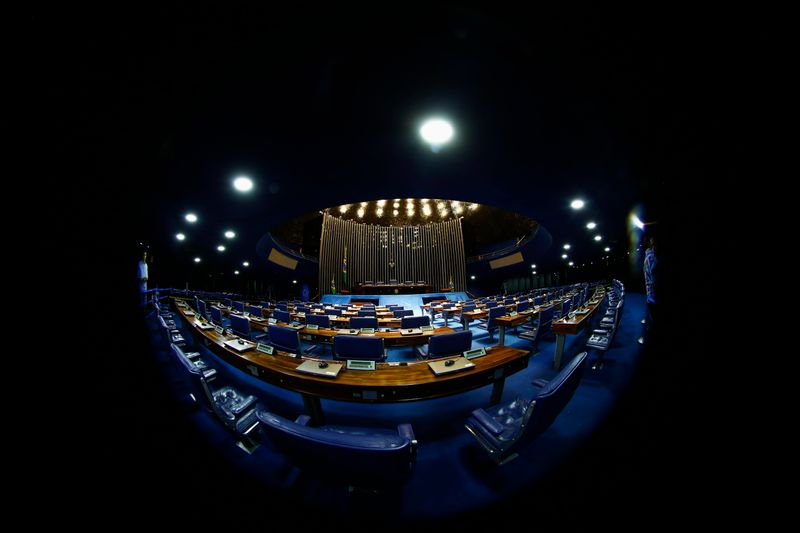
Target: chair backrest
(449, 343)
(282, 316)
(358, 347)
(466, 308)
(334, 312)
(403, 312)
(366, 312)
(495, 312)
(227, 302)
(323, 321)
(303, 309)
(253, 310)
(363, 322)
(538, 300)
(201, 308)
(285, 339)
(216, 315)
(239, 306)
(523, 305)
(415, 321)
(550, 401)
(361, 455)
(240, 325)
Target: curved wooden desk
(389, 382)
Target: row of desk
(389, 382)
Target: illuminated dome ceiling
(484, 226)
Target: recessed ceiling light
(343, 209)
(436, 131)
(567, 246)
(577, 204)
(294, 281)
(229, 234)
(221, 248)
(246, 263)
(196, 259)
(395, 212)
(563, 256)
(180, 237)
(606, 249)
(243, 184)
(236, 272)
(191, 217)
(598, 238)
(472, 277)
(571, 263)
(591, 225)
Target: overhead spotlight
(220, 248)
(606, 249)
(360, 212)
(395, 212)
(246, 263)
(379, 211)
(381, 203)
(571, 263)
(534, 272)
(396, 204)
(196, 259)
(577, 204)
(591, 225)
(436, 132)
(343, 208)
(598, 238)
(636, 222)
(458, 209)
(472, 277)
(191, 217)
(426, 210)
(440, 206)
(533, 266)
(473, 207)
(236, 272)
(567, 246)
(243, 184)
(229, 234)
(180, 237)
(294, 281)
(563, 256)
(363, 204)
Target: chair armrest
(421, 352)
(539, 382)
(303, 420)
(311, 348)
(489, 423)
(406, 431)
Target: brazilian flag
(344, 268)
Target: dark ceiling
(163, 109)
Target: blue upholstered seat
(287, 339)
(491, 319)
(362, 455)
(282, 316)
(241, 326)
(217, 318)
(414, 321)
(502, 429)
(363, 322)
(446, 344)
(323, 321)
(358, 347)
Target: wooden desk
(572, 326)
(389, 382)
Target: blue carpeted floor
(450, 464)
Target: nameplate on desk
(188, 313)
(239, 345)
(426, 328)
(295, 326)
(265, 348)
(347, 332)
(512, 313)
(311, 366)
(272, 320)
(357, 364)
(472, 354)
(441, 367)
(256, 318)
(412, 331)
(581, 311)
(219, 330)
(202, 325)
(312, 326)
(368, 331)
